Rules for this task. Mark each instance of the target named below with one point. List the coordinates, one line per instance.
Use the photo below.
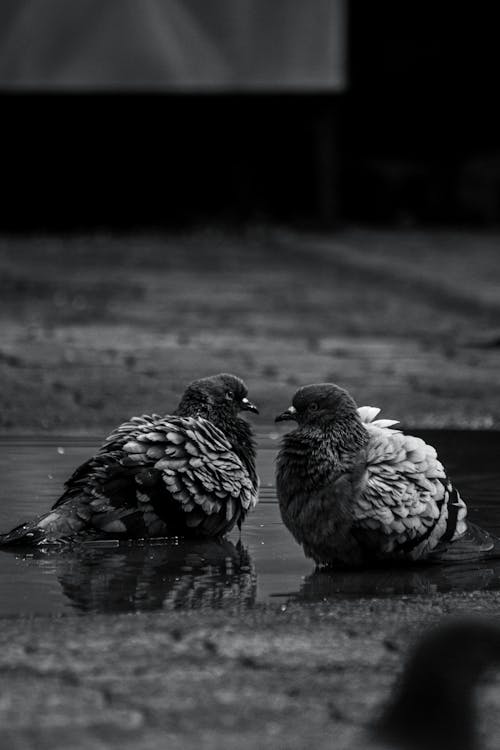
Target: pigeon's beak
(290, 413)
(247, 405)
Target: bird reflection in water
(177, 574)
(327, 583)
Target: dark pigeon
(187, 474)
(353, 490)
(433, 707)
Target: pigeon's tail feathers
(54, 527)
(475, 544)
(58, 526)
(75, 520)
(494, 551)
(368, 415)
(24, 535)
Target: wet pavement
(266, 565)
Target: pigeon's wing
(154, 476)
(198, 467)
(407, 505)
(182, 468)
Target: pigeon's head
(320, 404)
(218, 398)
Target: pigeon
(354, 490)
(432, 706)
(189, 474)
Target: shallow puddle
(266, 565)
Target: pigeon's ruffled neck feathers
(240, 435)
(350, 432)
(221, 414)
(199, 403)
(315, 453)
(346, 433)
(195, 404)
(237, 430)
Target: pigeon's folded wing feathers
(198, 466)
(406, 497)
(194, 458)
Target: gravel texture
(96, 328)
(292, 677)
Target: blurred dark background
(406, 132)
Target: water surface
(265, 565)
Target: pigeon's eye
(229, 396)
(313, 406)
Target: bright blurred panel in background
(316, 112)
(173, 45)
